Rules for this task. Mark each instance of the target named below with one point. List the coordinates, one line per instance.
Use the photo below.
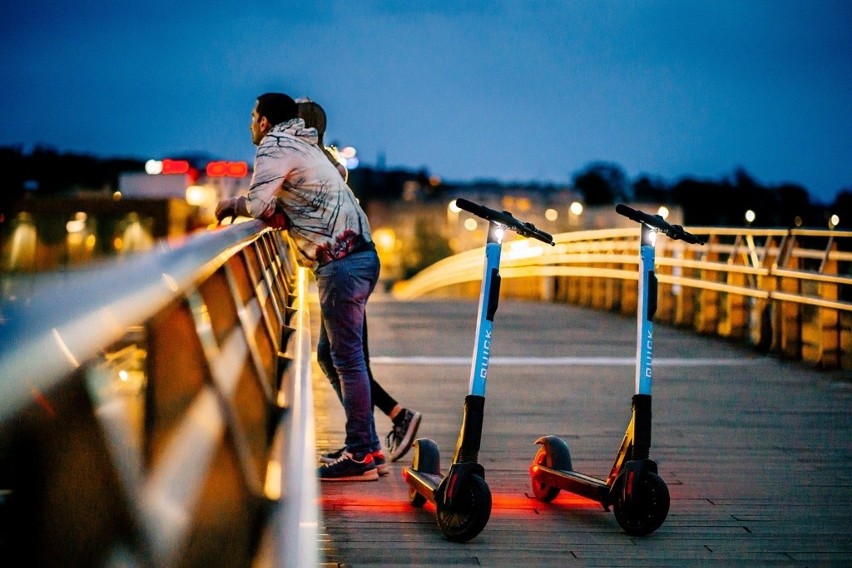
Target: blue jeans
(378, 395)
(344, 287)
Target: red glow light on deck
(227, 169)
(366, 505)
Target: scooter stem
(645, 311)
(470, 434)
(467, 447)
(489, 296)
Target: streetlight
(833, 221)
(749, 216)
(385, 239)
(574, 212)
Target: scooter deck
(574, 482)
(422, 482)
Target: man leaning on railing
(295, 186)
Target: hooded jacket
(293, 176)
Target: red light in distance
(227, 169)
(175, 167)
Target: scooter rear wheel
(543, 492)
(646, 507)
(470, 514)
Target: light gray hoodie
(292, 176)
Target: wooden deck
(756, 452)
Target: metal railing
(784, 291)
(157, 411)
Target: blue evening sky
(498, 89)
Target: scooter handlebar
(655, 221)
(505, 218)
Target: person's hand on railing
(232, 207)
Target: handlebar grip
(628, 212)
(474, 208)
(672, 231)
(505, 218)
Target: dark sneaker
(347, 468)
(378, 457)
(332, 456)
(381, 463)
(399, 439)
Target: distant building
(140, 185)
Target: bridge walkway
(755, 451)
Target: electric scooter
(462, 498)
(638, 495)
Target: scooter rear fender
(557, 449)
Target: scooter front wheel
(645, 507)
(470, 514)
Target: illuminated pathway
(756, 452)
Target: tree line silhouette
(715, 202)
(45, 171)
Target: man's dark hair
(276, 107)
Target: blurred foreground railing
(784, 291)
(157, 411)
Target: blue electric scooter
(462, 499)
(638, 495)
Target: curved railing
(157, 411)
(785, 291)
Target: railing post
(707, 317)
(821, 335)
(598, 293)
(788, 317)
(760, 317)
(547, 288)
(586, 289)
(611, 290)
(571, 289)
(734, 321)
(685, 300)
(629, 301)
